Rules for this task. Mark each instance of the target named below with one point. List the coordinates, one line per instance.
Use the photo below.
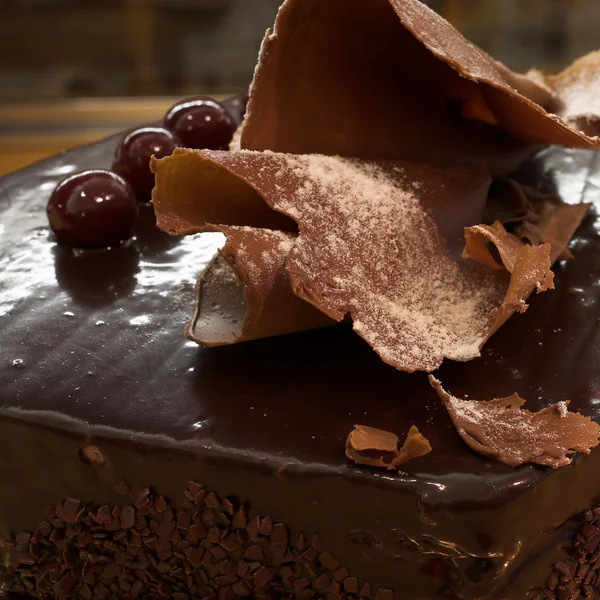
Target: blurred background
(72, 71)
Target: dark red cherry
(93, 209)
(132, 160)
(201, 123)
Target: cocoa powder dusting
(503, 430)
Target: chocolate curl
(192, 191)
(576, 90)
(542, 227)
(535, 217)
(378, 242)
(378, 448)
(392, 79)
(528, 265)
(244, 293)
(508, 433)
(550, 221)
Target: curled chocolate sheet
(503, 430)
(378, 448)
(244, 292)
(576, 90)
(392, 79)
(206, 193)
(379, 241)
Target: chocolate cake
(136, 464)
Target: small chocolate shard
(528, 265)
(378, 448)
(503, 430)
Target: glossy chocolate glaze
(93, 348)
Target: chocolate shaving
(392, 79)
(576, 90)
(378, 241)
(244, 292)
(534, 216)
(378, 448)
(503, 430)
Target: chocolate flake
(378, 448)
(117, 552)
(508, 433)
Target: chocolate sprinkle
(154, 551)
(577, 576)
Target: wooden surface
(30, 132)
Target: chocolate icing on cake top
(96, 338)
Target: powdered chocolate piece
(392, 79)
(576, 91)
(378, 241)
(244, 293)
(506, 432)
(377, 448)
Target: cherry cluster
(98, 208)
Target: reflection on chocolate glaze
(96, 277)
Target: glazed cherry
(201, 123)
(132, 160)
(93, 209)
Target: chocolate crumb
(91, 455)
(378, 448)
(508, 433)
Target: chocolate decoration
(394, 81)
(244, 292)
(267, 421)
(351, 258)
(576, 94)
(191, 192)
(377, 448)
(531, 216)
(507, 432)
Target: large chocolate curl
(379, 241)
(392, 79)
